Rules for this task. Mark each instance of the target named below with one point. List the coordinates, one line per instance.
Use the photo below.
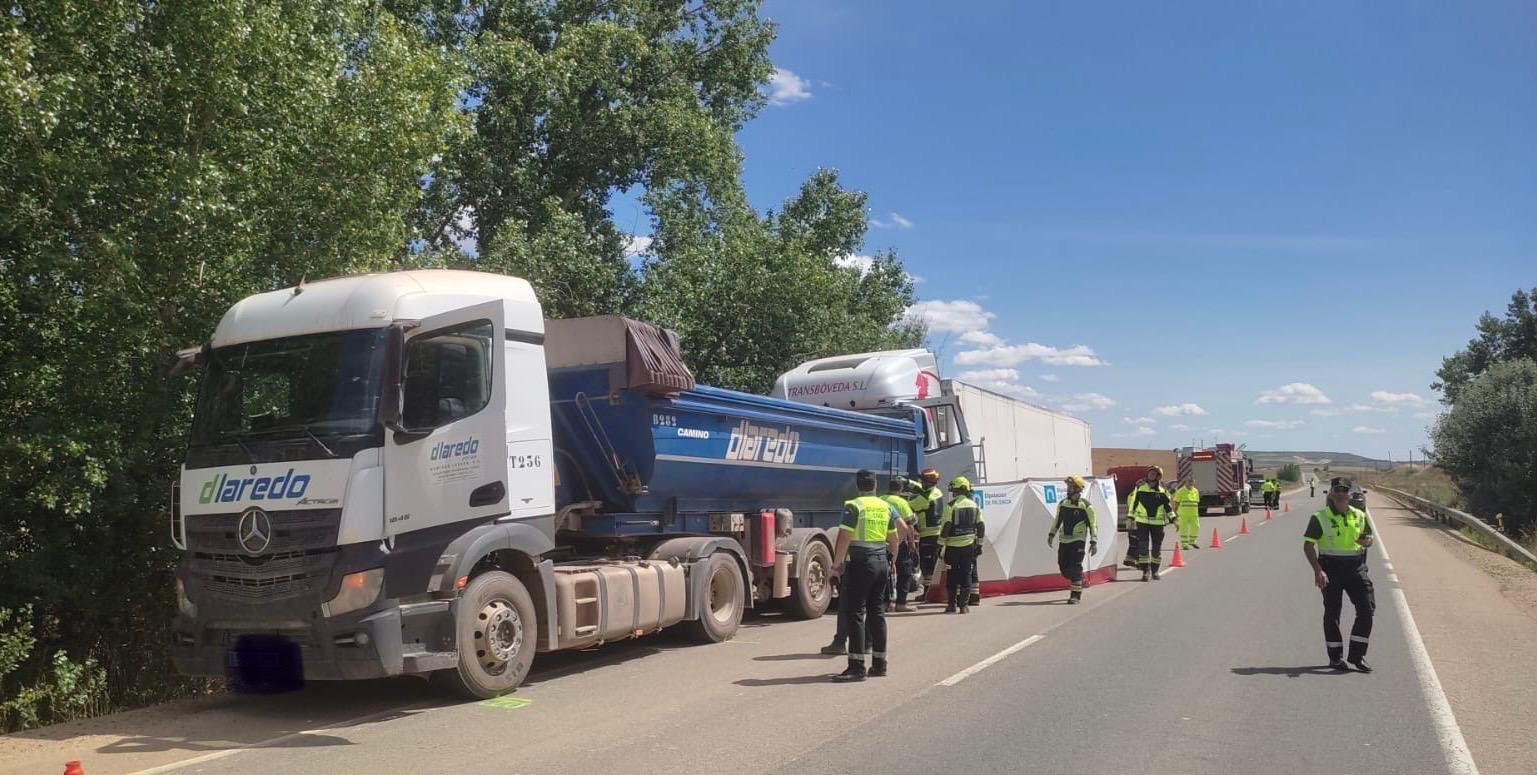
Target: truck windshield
(314, 385)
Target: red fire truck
(1221, 473)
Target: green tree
(1487, 443)
(1498, 340)
(752, 296)
(161, 161)
(1290, 472)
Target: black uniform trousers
(1150, 539)
(865, 615)
(904, 572)
(928, 556)
(1347, 576)
(1070, 562)
(962, 561)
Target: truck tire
(494, 629)
(813, 591)
(1230, 510)
(1244, 507)
(724, 600)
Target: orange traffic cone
(73, 768)
(1267, 513)
(1288, 506)
(1179, 559)
(1216, 540)
(1243, 526)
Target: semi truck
(1221, 473)
(985, 435)
(416, 473)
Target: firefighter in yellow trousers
(1187, 509)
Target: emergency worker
(1187, 505)
(867, 539)
(908, 548)
(1075, 523)
(961, 532)
(928, 503)
(1335, 544)
(1149, 506)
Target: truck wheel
(1230, 510)
(721, 609)
(812, 592)
(1244, 507)
(494, 628)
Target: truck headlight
(358, 590)
(183, 603)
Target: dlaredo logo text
(226, 489)
(759, 442)
(444, 450)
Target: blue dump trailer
(480, 484)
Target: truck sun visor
(647, 356)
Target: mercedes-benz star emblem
(254, 531)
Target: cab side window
(447, 375)
(942, 430)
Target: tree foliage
(1499, 340)
(1487, 442)
(1291, 472)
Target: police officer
(1075, 521)
(867, 539)
(1187, 507)
(1148, 506)
(1335, 543)
(908, 550)
(1272, 490)
(928, 503)
(961, 532)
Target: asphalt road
(1217, 668)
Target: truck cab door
(445, 460)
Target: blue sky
(1211, 201)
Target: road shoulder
(1479, 623)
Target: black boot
(854, 672)
(1360, 662)
(877, 668)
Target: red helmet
(930, 476)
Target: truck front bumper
(368, 645)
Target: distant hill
(1306, 459)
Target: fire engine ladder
(979, 459)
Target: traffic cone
(73, 768)
(1288, 506)
(1216, 540)
(1179, 559)
(1243, 526)
(1267, 513)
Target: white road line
(1459, 760)
(280, 739)
(984, 664)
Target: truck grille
(296, 565)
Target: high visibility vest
(1188, 501)
(874, 521)
(1269, 486)
(1075, 520)
(927, 506)
(958, 526)
(1137, 509)
(1340, 532)
(903, 510)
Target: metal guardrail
(1450, 515)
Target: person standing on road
(961, 532)
(1312, 486)
(1271, 490)
(908, 546)
(1187, 504)
(1335, 543)
(1075, 522)
(928, 503)
(867, 539)
(1149, 506)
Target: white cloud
(1280, 425)
(1365, 429)
(983, 339)
(1324, 412)
(1293, 393)
(1009, 355)
(1407, 399)
(896, 221)
(1085, 401)
(1424, 415)
(1174, 410)
(952, 317)
(1049, 378)
(1179, 427)
(637, 245)
(1138, 420)
(859, 263)
(1004, 381)
(1142, 431)
(785, 88)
